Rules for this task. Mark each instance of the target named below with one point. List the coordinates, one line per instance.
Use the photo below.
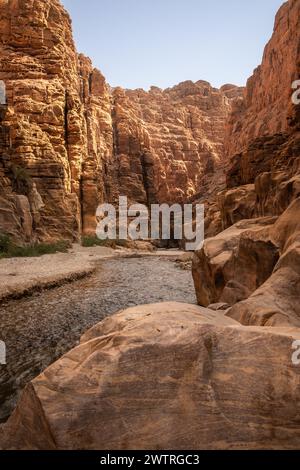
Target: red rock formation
(199, 381)
(170, 139)
(262, 141)
(80, 143)
(264, 135)
(266, 106)
(263, 180)
(39, 66)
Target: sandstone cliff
(253, 266)
(69, 141)
(58, 107)
(173, 138)
(262, 134)
(264, 109)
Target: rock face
(165, 376)
(276, 302)
(69, 142)
(265, 109)
(167, 141)
(253, 266)
(58, 123)
(263, 138)
(235, 263)
(262, 135)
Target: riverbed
(39, 329)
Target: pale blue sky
(139, 43)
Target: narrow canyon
(170, 350)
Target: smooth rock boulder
(165, 376)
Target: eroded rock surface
(232, 265)
(165, 376)
(253, 266)
(276, 302)
(256, 271)
(265, 109)
(262, 141)
(68, 141)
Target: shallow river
(39, 329)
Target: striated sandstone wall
(38, 63)
(170, 139)
(262, 128)
(266, 105)
(252, 267)
(70, 141)
(262, 141)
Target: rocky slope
(69, 141)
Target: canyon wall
(265, 108)
(69, 141)
(262, 138)
(252, 267)
(55, 124)
(262, 122)
(177, 135)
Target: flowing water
(38, 330)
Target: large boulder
(237, 204)
(165, 376)
(276, 302)
(233, 264)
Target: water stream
(38, 330)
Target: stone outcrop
(253, 269)
(262, 143)
(265, 108)
(38, 64)
(73, 142)
(165, 376)
(263, 139)
(276, 302)
(169, 141)
(232, 265)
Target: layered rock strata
(73, 142)
(255, 270)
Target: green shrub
(38, 249)
(5, 243)
(90, 241)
